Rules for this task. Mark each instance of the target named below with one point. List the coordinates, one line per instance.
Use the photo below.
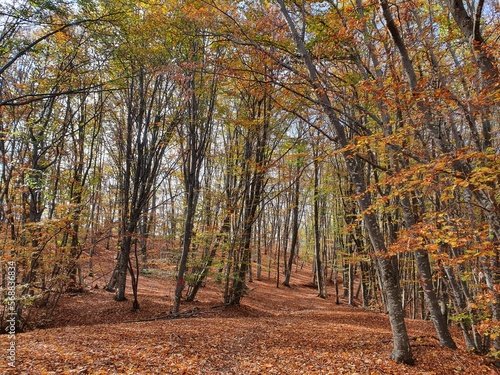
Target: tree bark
(401, 344)
(199, 127)
(318, 266)
(295, 229)
(186, 245)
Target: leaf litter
(274, 331)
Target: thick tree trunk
(389, 275)
(401, 344)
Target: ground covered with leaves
(274, 331)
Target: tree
(195, 135)
(401, 351)
(150, 109)
(318, 254)
(253, 164)
(297, 171)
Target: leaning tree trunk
(220, 239)
(424, 269)
(401, 344)
(389, 275)
(186, 244)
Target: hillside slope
(274, 331)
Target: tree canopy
(217, 141)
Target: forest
(212, 143)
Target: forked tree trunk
(254, 189)
(198, 129)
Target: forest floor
(274, 331)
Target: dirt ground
(274, 331)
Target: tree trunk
(122, 268)
(401, 351)
(220, 239)
(186, 244)
(200, 110)
(295, 230)
(424, 269)
(318, 267)
(254, 188)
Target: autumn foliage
(220, 143)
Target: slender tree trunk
(220, 239)
(255, 184)
(322, 293)
(424, 269)
(186, 244)
(259, 250)
(421, 256)
(295, 230)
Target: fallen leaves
(275, 331)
